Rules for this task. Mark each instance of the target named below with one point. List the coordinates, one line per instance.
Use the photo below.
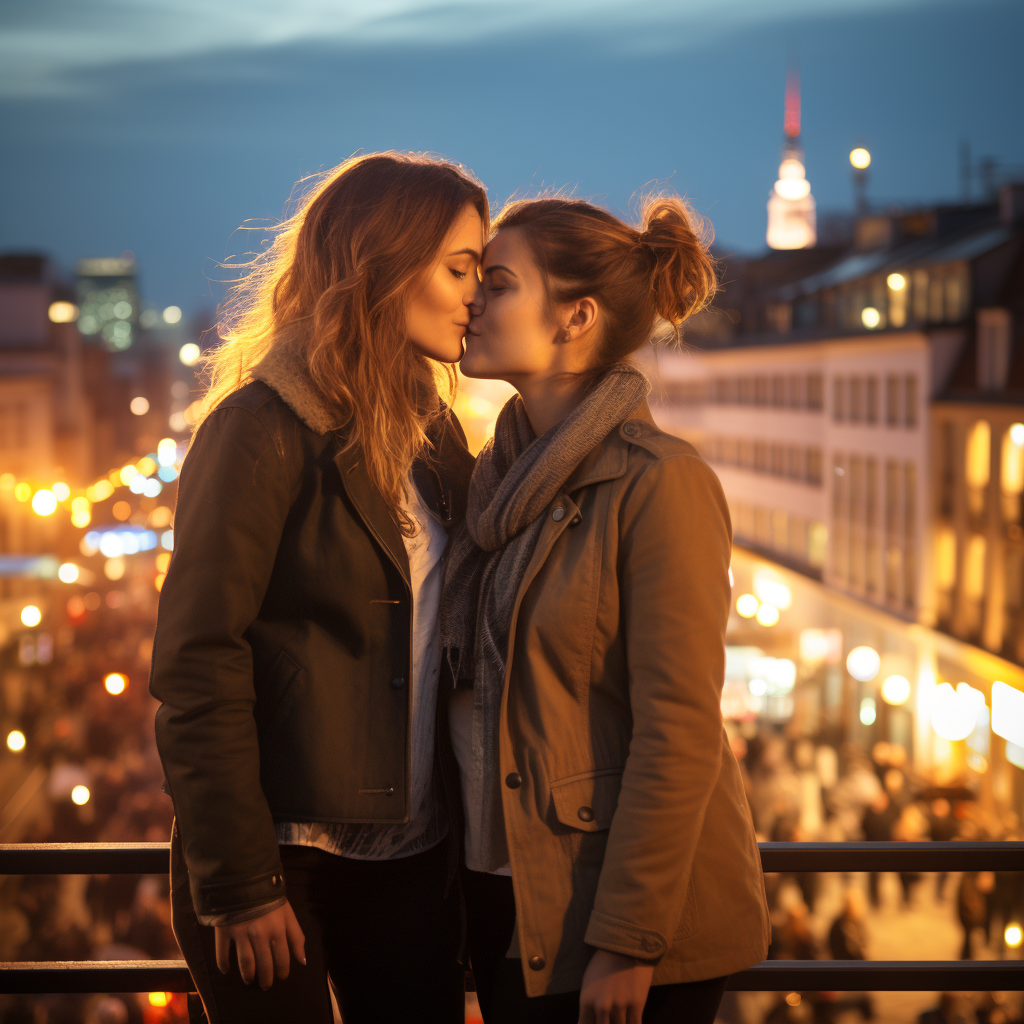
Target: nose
(476, 302)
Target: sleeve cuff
(616, 936)
(238, 916)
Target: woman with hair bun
(611, 869)
(296, 657)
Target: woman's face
(437, 309)
(513, 334)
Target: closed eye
(460, 274)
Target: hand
(614, 989)
(262, 944)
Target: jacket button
(397, 684)
(630, 429)
(513, 780)
(537, 963)
(558, 514)
(586, 813)
(275, 880)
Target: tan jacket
(627, 825)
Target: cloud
(47, 45)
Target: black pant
(490, 918)
(384, 931)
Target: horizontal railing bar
(84, 976)
(926, 856)
(153, 859)
(881, 976)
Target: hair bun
(683, 277)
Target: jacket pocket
(587, 802)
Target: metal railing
(770, 976)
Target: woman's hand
(262, 944)
(614, 989)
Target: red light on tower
(791, 124)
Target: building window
(921, 295)
(871, 400)
(856, 520)
(798, 537)
(910, 400)
(815, 391)
(760, 391)
(974, 583)
(762, 527)
(870, 523)
(957, 288)
(778, 391)
(1012, 475)
(777, 455)
(947, 481)
(761, 456)
(856, 400)
(817, 544)
(993, 348)
(745, 390)
(909, 535)
(747, 454)
(795, 462)
(893, 559)
(945, 572)
(892, 400)
(839, 399)
(936, 299)
(814, 465)
(839, 534)
(977, 465)
(796, 398)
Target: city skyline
(169, 153)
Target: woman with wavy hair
(612, 873)
(296, 656)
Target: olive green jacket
(627, 824)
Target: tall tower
(792, 223)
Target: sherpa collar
(285, 370)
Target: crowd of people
(798, 790)
(802, 790)
(81, 735)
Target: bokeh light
(31, 616)
(44, 502)
(189, 353)
(115, 683)
(16, 741)
(68, 573)
(80, 795)
(860, 158)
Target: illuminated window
(945, 558)
(817, 544)
(893, 557)
(974, 568)
(977, 462)
(780, 530)
(814, 466)
(1012, 472)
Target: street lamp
(860, 160)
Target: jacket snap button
(397, 684)
(630, 429)
(513, 780)
(558, 514)
(537, 963)
(275, 880)
(586, 813)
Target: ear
(583, 320)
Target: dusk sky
(161, 126)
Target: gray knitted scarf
(516, 476)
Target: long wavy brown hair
(334, 281)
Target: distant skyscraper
(108, 299)
(791, 211)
